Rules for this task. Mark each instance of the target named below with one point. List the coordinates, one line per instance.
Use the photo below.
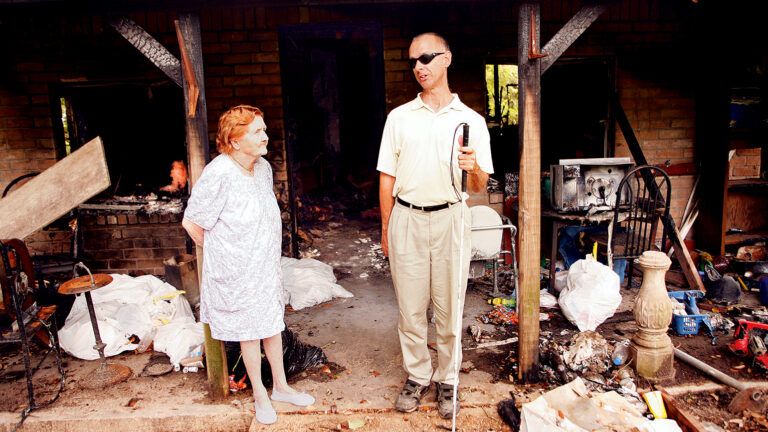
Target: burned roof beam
(150, 47)
(571, 31)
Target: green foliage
(508, 92)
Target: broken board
(54, 192)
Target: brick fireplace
(131, 243)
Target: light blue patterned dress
(241, 290)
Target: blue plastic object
(689, 324)
(764, 289)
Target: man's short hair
(439, 37)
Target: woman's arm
(194, 230)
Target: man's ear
(448, 58)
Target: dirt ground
(358, 335)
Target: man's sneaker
(445, 400)
(410, 396)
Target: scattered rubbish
(132, 402)
(308, 282)
(721, 289)
(352, 424)
(587, 351)
(363, 275)
(591, 294)
(655, 404)
(236, 386)
(475, 331)
(501, 315)
(572, 407)
(309, 253)
(297, 357)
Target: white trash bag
(307, 282)
(591, 294)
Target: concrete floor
(357, 334)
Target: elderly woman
(233, 214)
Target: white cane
(459, 307)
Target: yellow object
(656, 404)
(169, 296)
(501, 301)
(594, 250)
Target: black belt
(424, 208)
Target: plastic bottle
(620, 353)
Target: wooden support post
(198, 156)
(530, 192)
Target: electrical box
(582, 184)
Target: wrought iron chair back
(644, 193)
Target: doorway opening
(141, 125)
(333, 92)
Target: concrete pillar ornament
(651, 348)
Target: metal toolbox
(581, 184)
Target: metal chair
(486, 240)
(644, 203)
(28, 320)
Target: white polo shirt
(416, 150)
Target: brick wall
(241, 53)
(131, 243)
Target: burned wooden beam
(54, 192)
(150, 47)
(193, 90)
(568, 34)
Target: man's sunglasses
(425, 59)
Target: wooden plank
(530, 194)
(198, 156)
(568, 34)
(686, 421)
(150, 47)
(54, 192)
(681, 251)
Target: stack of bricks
(133, 244)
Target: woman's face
(254, 142)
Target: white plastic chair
(486, 240)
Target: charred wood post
(188, 31)
(530, 190)
(532, 64)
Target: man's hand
(477, 179)
(386, 202)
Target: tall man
(421, 214)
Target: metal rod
(709, 370)
(99, 344)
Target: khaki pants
(424, 258)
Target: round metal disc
(106, 375)
(83, 284)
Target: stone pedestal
(652, 351)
